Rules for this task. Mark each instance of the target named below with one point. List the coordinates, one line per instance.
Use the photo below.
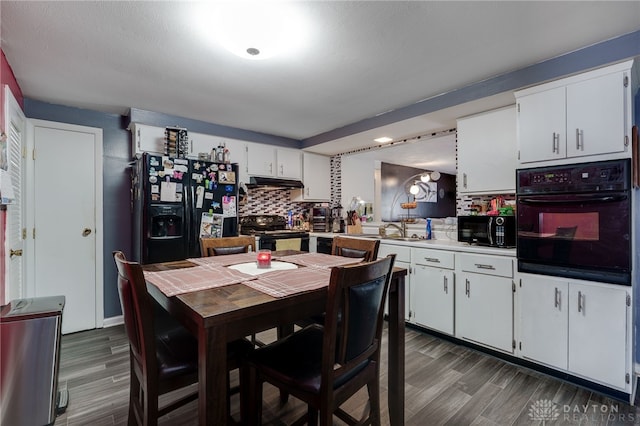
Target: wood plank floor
(446, 384)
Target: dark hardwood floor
(446, 384)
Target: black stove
(269, 228)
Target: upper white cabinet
(316, 176)
(487, 152)
(146, 139)
(266, 160)
(580, 116)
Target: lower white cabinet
(432, 287)
(579, 327)
(403, 260)
(543, 307)
(484, 300)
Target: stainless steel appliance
(321, 219)
(494, 231)
(272, 233)
(29, 361)
(575, 221)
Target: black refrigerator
(178, 200)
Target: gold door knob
(86, 232)
(13, 252)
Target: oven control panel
(611, 175)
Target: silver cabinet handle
(482, 266)
(281, 169)
(446, 286)
(553, 142)
(467, 289)
(580, 302)
(557, 298)
(580, 139)
(432, 259)
(464, 180)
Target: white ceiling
(362, 59)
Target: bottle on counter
(428, 231)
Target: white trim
(30, 206)
(113, 321)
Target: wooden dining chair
(325, 365)
(163, 354)
(365, 249)
(227, 245)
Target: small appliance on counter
(320, 219)
(493, 231)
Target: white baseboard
(113, 321)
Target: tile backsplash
(270, 201)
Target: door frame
(29, 185)
(13, 113)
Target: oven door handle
(576, 199)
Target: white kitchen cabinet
(202, 143)
(576, 326)
(316, 176)
(266, 160)
(580, 116)
(403, 260)
(487, 152)
(598, 330)
(432, 287)
(261, 160)
(484, 300)
(544, 328)
(146, 138)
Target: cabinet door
(595, 116)
(487, 152)
(542, 126)
(484, 310)
(316, 176)
(432, 298)
(289, 163)
(544, 320)
(598, 333)
(147, 139)
(261, 160)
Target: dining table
(241, 301)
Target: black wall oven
(575, 221)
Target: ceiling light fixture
(255, 30)
(383, 139)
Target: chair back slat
(137, 310)
(354, 312)
(365, 249)
(227, 245)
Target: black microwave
(494, 231)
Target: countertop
(438, 244)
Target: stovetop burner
(258, 224)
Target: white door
(67, 220)
(15, 129)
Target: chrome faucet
(403, 229)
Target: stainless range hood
(257, 181)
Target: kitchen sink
(399, 238)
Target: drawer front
(490, 265)
(430, 257)
(403, 253)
